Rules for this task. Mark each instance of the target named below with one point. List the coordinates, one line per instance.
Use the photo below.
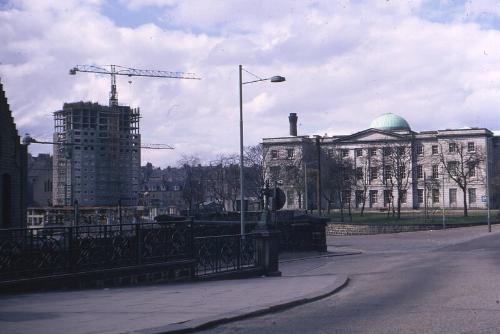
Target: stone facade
(13, 170)
(430, 158)
(39, 180)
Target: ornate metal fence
(26, 253)
(225, 253)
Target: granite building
(13, 170)
(431, 162)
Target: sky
(436, 63)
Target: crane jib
(115, 70)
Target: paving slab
(163, 308)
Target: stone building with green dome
(388, 163)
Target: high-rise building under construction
(97, 155)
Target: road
(419, 282)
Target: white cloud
(345, 63)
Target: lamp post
(444, 217)
(276, 78)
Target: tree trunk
(363, 204)
(350, 212)
(465, 202)
(341, 211)
(399, 207)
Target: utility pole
(444, 217)
(318, 179)
(76, 213)
(305, 186)
(425, 198)
(488, 191)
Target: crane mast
(114, 70)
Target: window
(401, 172)
(330, 152)
(435, 195)
(420, 172)
(359, 152)
(359, 173)
(387, 197)
(452, 167)
(345, 153)
(372, 152)
(289, 153)
(435, 149)
(346, 196)
(452, 147)
(373, 197)
(470, 146)
(403, 196)
(359, 197)
(290, 198)
(435, 171)
(472, 195)
(420, 195)
(275, 171)
(346, 175)
(387, 172)
(386, 151)
(373, 173)
(420, 149)
(472, 169)
(453, 196)
(274, 154)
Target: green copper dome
(390, 122)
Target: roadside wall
(340, 229)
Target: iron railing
(225, 253)
(27, 253)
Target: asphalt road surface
(421, 282)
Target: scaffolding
(96, 155)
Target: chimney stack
(293, 123)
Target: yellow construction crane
(114, 70)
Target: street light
(276, 78)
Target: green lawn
(418, 217)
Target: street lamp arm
(249, 82)
(276, 78)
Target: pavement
(171, 308)
(428, 282)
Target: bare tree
(430, 185)
(255, 173)
(233, 184)
(221, 182)
(397, 160)
(338, 181)
(461, 164)
(362, 176)
(193, 189)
